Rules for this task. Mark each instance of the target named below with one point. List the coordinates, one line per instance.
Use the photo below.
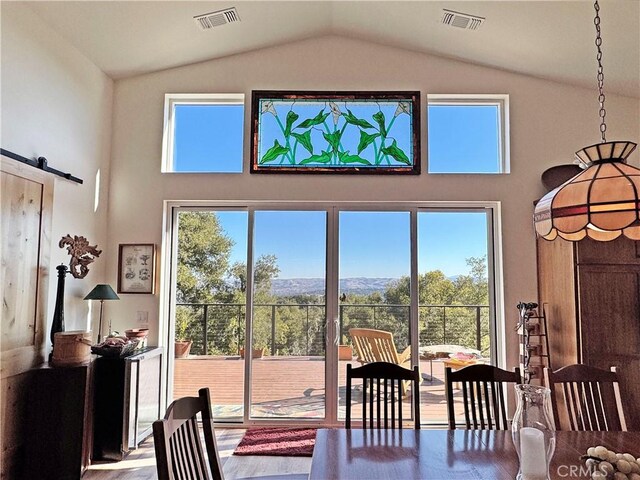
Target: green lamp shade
(102, 291)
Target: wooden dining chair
(382, 394)
(483, 395)
(586, 398)
(179, 452)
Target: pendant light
(603, 201)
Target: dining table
(365, 454)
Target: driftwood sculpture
(82, 254)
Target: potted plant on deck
(182, 342)
(256, 352)
(345, 352)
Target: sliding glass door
(289, 315)
(269, 297)
(374, 269)
(453, 298)
(209, 299)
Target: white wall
(549, 121)
(58, 104)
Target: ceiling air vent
(461, 20)
(215, 19)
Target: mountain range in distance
(316, 286)
(285, 287)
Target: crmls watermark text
(574, 471)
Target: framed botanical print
(335, 132)
(136, 268)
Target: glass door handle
(336, 326)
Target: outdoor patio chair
(382, 394)
(179, 452)
(586, 398)
(377, 346)
(484, 398)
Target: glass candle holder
(533, 432)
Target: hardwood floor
(140, 464)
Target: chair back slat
(586, 398)
(487, 404)
(494, 403)
(599, 408)
(592, 402)
(503, 406)
(483, 395)
(399, 389)
(465, 396)
(382, 394)
(580, 412)
(472, 404)
(392, 399)
(585, 410)
(179, 451)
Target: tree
(473, 289)
(203, 257)
(440, 297)
(265, 270)
(205, 276)
(434, 288)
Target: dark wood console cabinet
(591, 294)
(126, 402)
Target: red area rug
(290, 442)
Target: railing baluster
(273, 330)
(341, 315)
(204, 328)
(393, 312)
(478, 342)
(239, 329)
(374, 318)
(444, 325)
(409, 315)
(307, 330)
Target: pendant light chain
(602, 112)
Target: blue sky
(297, 239)
(372, 244)
(463, 139)
(208, 139)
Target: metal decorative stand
(532, 326)
(58, 313)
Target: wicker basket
(118, 351)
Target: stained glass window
(335, 132)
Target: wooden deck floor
(286, 387)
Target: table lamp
(101, 292)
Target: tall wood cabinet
(591, 294)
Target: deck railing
(298, 329)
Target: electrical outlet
(143, 319)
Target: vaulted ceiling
(546, 39)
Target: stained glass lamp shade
(602, 202)
(101, 292)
